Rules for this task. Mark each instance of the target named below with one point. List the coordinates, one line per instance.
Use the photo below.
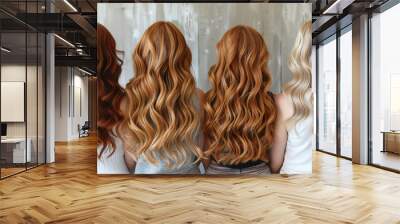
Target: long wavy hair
(161, 120)
(240, 112)
(109, 92)
(298, 89)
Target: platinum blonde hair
(299, 88)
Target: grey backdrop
(203, 25)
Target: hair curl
(161, 120)
(240, 112)
(109, 92)
(298, 89)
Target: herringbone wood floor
(70, 191)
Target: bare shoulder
(281, 100)
(283, 104)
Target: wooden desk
(13, 150)
(391, 141)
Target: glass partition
(22, 78)
(14, 153)
(32, 98)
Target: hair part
(161, 120)
(298, 89)
(240, 112)
(109, 91)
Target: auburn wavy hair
(109, 92)
(161, 121)
(298, 89)
(240, 112)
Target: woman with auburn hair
(162, 120)
(293, 134)
(239, 110)
(109, 97)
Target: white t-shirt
(114, 163)
(298, 155)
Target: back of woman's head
(110, 93)
(161, 120)
(240, 113)
(298, 89)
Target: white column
(360, 90)
(50, 92)
(50, 99)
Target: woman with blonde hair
(162, 112)
(239, 110)
(293, 136)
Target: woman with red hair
(109, 96)
(240, 111)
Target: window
(385, 89)
(346, 93)
(326, 136)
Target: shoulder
(281, 100)
(283, 104)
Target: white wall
(61, 103)
(71, 94)
(12, 73)
(203, 25)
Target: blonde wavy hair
(161, 120)
(298, 89)
(240, 112)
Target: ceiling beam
(337, 7)
(82, 61)
(83, 23)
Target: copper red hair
(240, 112)
(161, 120)
(109, 91)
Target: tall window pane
(327, 96)
(346, 94)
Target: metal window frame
(328, 39)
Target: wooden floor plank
(70, 191)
